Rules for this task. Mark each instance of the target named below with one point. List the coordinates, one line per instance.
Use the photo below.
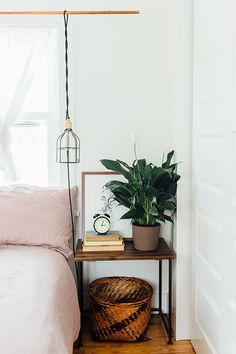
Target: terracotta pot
(146, 237)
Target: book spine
(102, 238)
(102, 243)
(103, 248)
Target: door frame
(183, 110)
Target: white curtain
(21, 51)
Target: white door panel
(209, 237)
(214, 177)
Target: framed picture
(94, 196)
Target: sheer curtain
(21, 51)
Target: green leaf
(151, 192)
(168, 218)
(168, 160)
(137, 174)
(154, 211)
(115, 166)
(163, 182)
(133, 214)
(126, 165)
(172, 167)
(157, 172)
(119, 187)
(167, 206)
(141, 163)
(122, 200)
(175, 177)
(136, 186)
(147, 175)
(172, 189)
(161, 217)
(163, 196)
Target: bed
(39, 310)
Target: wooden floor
(156, 345)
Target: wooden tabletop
(163, 251)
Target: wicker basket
(120, 308)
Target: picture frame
(91, 203)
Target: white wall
(125, 83)
(123, 80)
(124, 77)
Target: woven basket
(120, 308)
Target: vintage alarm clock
(102, 223)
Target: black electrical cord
(67, 152)
(66, 17)
(70, 203)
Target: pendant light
(68, 143)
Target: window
(29, 100)
(30, 151)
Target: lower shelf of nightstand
(156, 342)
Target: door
(214, 177)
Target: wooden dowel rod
(98, 12)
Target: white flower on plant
(134, 143)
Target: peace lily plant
(149, 193)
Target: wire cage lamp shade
(68, 145)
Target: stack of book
(112, 241)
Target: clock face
(101, 225)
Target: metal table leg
(170, 304)
(160, 287)
(79, 266)
(166, 318)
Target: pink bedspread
(39, 312)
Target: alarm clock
(101, 223)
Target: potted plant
(149, 194)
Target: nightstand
(162, 253)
